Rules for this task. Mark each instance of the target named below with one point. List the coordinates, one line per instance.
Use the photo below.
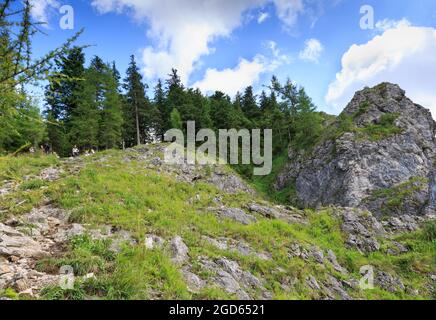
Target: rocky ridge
(380, 157)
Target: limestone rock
(278, 212)
(388, 282)
(347, 171)
(179, 250)
(14, 243)
(235, 214)
(361, 230)
(153, 241)
(232, 278)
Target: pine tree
(176, 119)
(136, 102)
(20, 121)
(111, 114)
(175, 91)
(163, 113)
(249, 106)
(65, 101)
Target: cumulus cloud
(404, 55)
(246, 73)
(183, 31)
(230, 81)
(312, 50)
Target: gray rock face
(388, 282)
(14, 243)
(278, 212)
(346, 171)
(361, 230)
(432, 191)
(235, 214)
(179, 250)
(228, 275)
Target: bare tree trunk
(137, 127)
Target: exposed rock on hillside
(379, 155)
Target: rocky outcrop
(431, 209)
(382, 140)
(39, 234)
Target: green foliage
(138, 112)
(395, 197)
(429, 231)
(176, 120)
(9, 293)
(383, 129)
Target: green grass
(395, 197)
(383, 129)
(143, 201)
(265, 184)
(16, 168)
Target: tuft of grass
(429, 231)
(383, 129)
(15, 168)
(9, 293)
(395, 197)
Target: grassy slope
(144, 201)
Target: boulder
(179, 250)
(15, 243)
(235, 214)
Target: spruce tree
(111, 122)
(135, 106)
(65, 101)
(249, 106)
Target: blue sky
(227, 45)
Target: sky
(330, 47)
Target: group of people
(75, 152)
(44, 149)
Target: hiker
(75, 151)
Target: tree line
(93, 107)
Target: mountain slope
(133, 227)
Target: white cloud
(41, 8)
(262, 17)
(404, 55)
(230, 81)
(246, 73)
(312, 50)
(289, 10)
(183, 31)
(387, 24)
